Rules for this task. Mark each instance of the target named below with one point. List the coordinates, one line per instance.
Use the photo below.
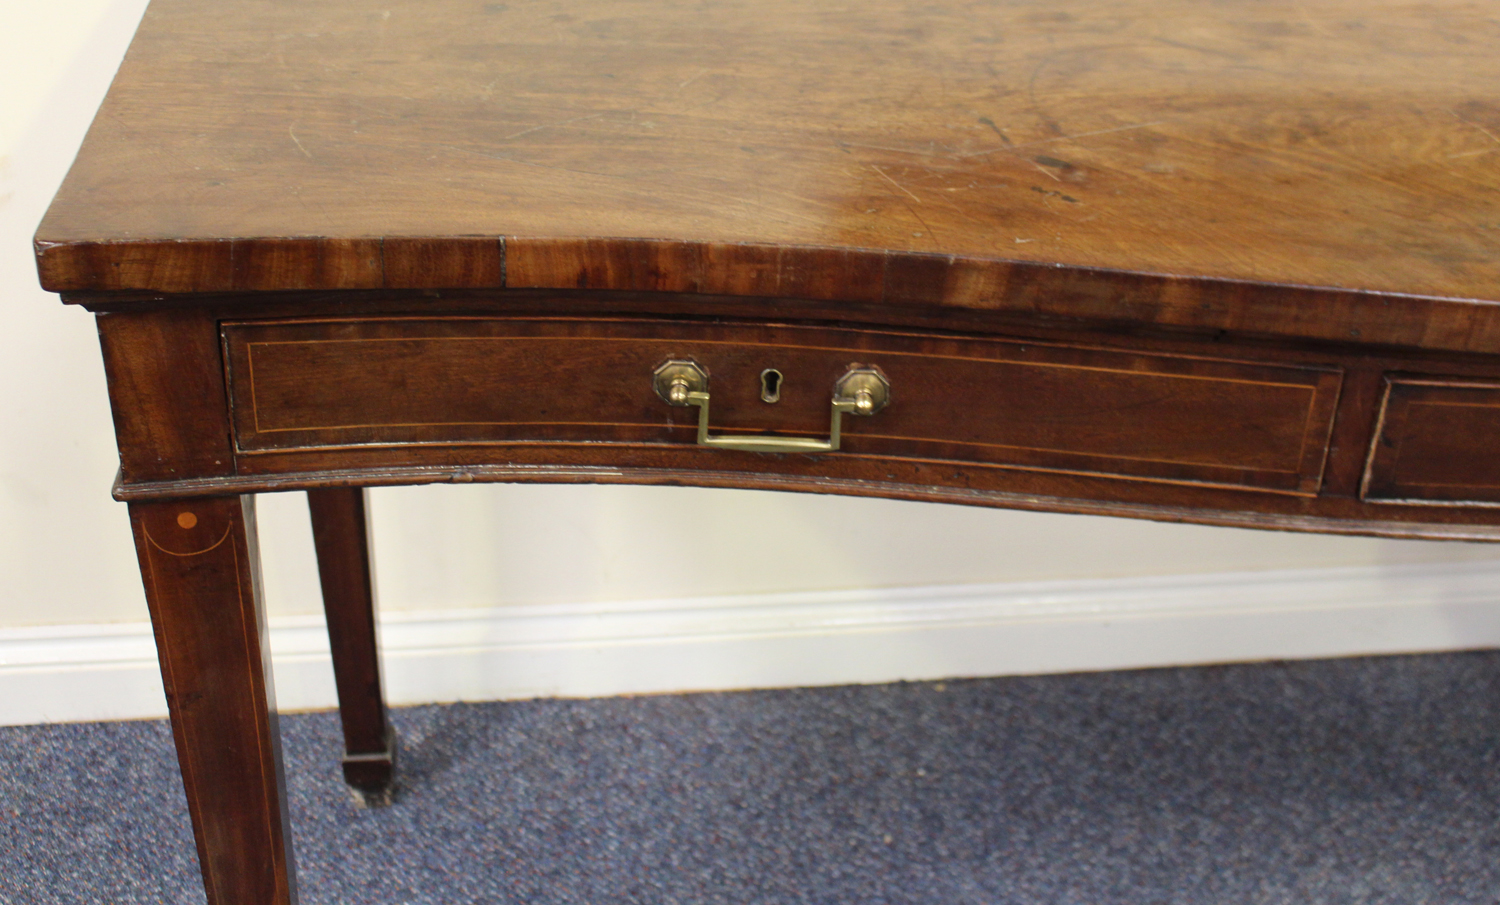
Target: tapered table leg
(202, 576)
(341, 535)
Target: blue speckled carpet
(1345, 781)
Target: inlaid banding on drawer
(400, 382)
(1436, 442)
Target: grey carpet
(1360, 781)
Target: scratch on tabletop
(551, 125)
(948, 201)
(926, 230)
(713, 101)
(296, 142)
(693, 78)
(1197, 49)
(985, 120)
(896, 184)
(851, 144)
(1045, 170)
(1057, 138)
(375, 110)
(527, 163)
(1487, 132)
(1049, 192)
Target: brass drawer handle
(861, 391)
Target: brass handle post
(861, 391)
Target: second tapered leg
(199, 566)
(341, 535)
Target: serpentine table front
(1228, 263)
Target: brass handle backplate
(861, 391)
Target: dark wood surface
(442, 399)
(166, 392)
(939, 153)
(407, 381)
(1437, 442)
(202, 577)
(341, 536)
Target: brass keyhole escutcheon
(770, 385)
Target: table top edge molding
(124, 273)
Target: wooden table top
(935, 152)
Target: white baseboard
(99, 672)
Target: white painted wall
(65, 555)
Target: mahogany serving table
(1228, 263)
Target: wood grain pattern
(306, 263)
(346, 574)
(166, 390)
(1437, 442)
(890, 150)
(202, 576)
(644, 265)
(463, 262)
(1032, 405)
(967, 481)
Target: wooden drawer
(1016, 404)
(1436, 442)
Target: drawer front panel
(1436, 442)
(297, 385)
